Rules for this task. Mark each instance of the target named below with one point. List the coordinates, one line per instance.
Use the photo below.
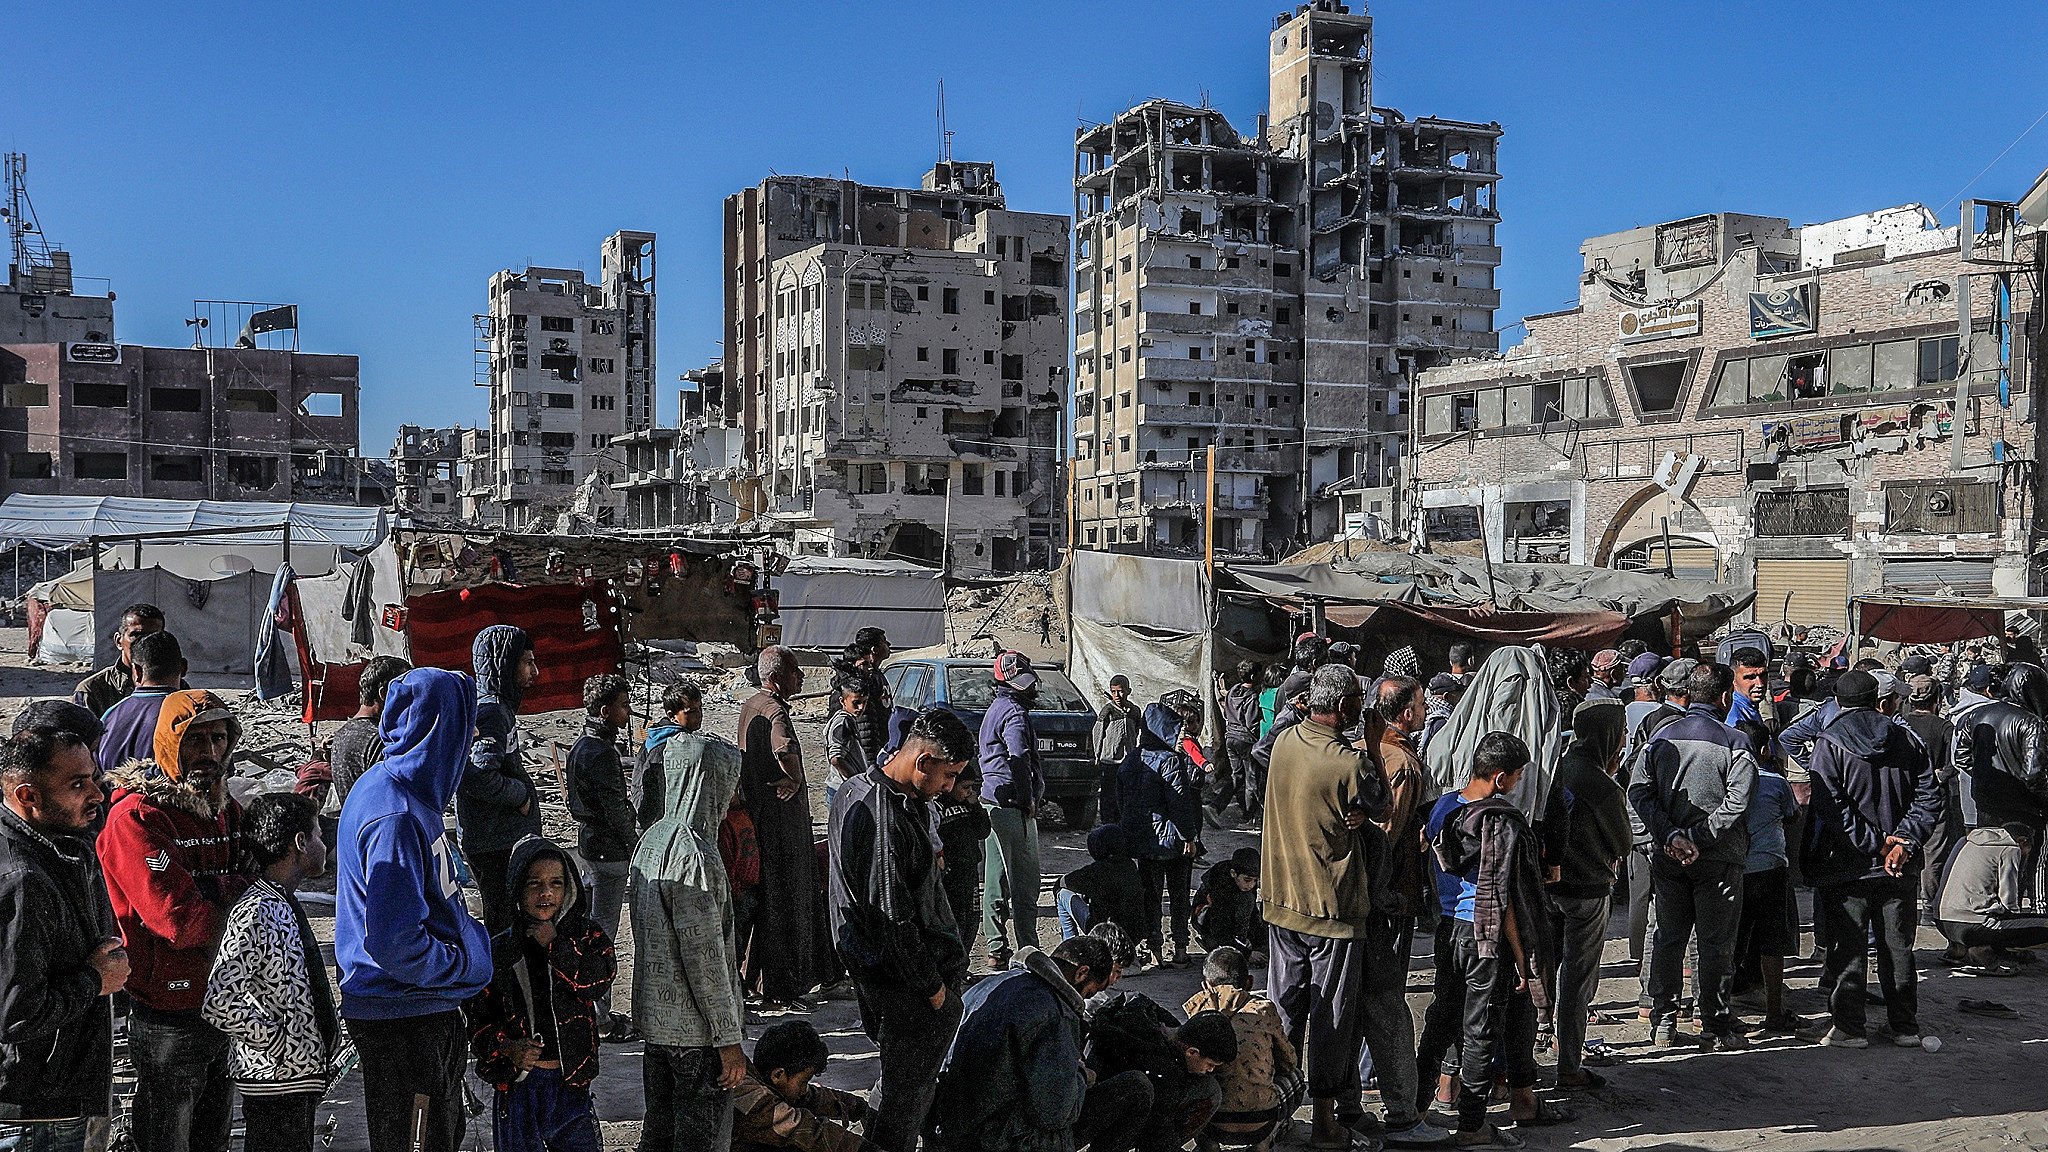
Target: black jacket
(1114, 892)
(606, 827)
(56, 1030)
(1871, 780)
(891, 922)
(496, 784)
(2003, 748)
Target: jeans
(1009, 892)
(912, 1039)
(409, 1064)
(1385, 1025)
(1114, 1113)
(183, 1101)
(1318, 984)
(1578, 980)
(1073, 912)
(607, 899)
(1170, 878)
(686, 1109)
(44, 1136)
(1851, 909)
(1443, 1021)
(1494, 1013)
(1706, 896)
(542, 1114)
(279, 1123)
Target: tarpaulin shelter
(59, 520)
(1138, 616)
(823, 601)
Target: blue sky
(376, 162)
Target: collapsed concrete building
(1820, 411)
(685, 475)
(895, 361)
(1274, 295)
(427, 472)
(570, 366)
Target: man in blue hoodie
(1012, 785)
(408, 951)
(496, 806)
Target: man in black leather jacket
(2002, 751)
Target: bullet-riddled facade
(570, 365)
(896, 365)
(1273, 295)
(1736, 398)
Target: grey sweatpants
(1318, 984)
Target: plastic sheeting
(328, 632)
(575, 631)
(216, 621)
(824, 602)
(1141, 617)
(66, 637)
(1591, 630)
(75, 519)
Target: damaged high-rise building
(1272, 295)
(896, 362)
(570, 365)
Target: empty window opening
(175, 399)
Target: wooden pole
(1209, 520)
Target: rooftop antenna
(31, 246)
(945, 135)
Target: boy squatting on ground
(777, 1106)
(535, 1029)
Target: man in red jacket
(172, 855)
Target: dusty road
(1983, 1091)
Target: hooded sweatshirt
(1986, 883)
(496, 783)
(532, 988)
(686, 970)
(173, 862)
(1010, 773)
(1597, 834)
(420, 952)
(1871, 780)
(1159, 790)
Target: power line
(1994, 161)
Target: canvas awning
(66, 520)
(1938, 619)
(824, 601)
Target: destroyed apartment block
(570, 366)
(1819, 412)
(895, 367)
(1271, 296)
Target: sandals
(1991, 1008)
(1547, 1112)
(1587, 1079)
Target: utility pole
(1209, 519)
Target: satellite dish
(232, 564)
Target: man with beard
(172, 850)
(60, 956)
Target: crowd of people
(1501, 808)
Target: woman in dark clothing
(781, 952)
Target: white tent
(67, 638)
(63, 520)
(824, 601)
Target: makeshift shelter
(63, 520)
(1139, 616)
(823, 601)
(1936, 619)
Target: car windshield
(975, 688)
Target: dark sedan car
(1063, 719)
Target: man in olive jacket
(1317, 890)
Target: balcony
(1421, 290)
(1412, 335)
(1179, 414)
(1166, 369)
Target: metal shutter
(1946, 576)
(1819, 591)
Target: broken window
(321, 404)
(924, 292)
(1657, 386)
(1194, 261)
(258, 472)
(949, 361)
(563, 366)
(1018, 308)
(557, 476)
(519, 360)
(1013, 367)
(1194, 353)
(1002, 481)
(175, 399)
(1283, 270)
(557, 324)
(972, 481)
(99, 466)
(99, 396)
(602, 364)
(1283, 315)
(27, 394)
(1047, 272)
(558, 441)
(1807, 376)
(559, 399)
(1464, 412)
(603, 403)
(949, 301)
(924, 355)
(865, 358)
(28, 465)
(868, 479)
(1194, 307)
(177, 469)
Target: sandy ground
(1982, 1091)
